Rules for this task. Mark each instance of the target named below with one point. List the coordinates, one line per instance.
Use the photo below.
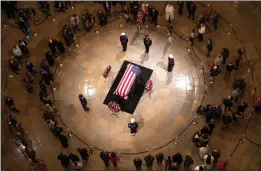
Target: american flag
(127, 80)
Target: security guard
(124, 41)
(147, 43)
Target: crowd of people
(142, 14)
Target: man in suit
(147, 43)
(154, 16)
(124, 41)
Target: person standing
(208, 161)
(10, 104)
(215, 17)
(133, 125)
(241, 108)
(24, 47)
(114, 159)
(209, 46)
(159, 157)
(147, 43)
(225, 55)
(201, 32)
(180, 5)
(84, 153)
(30, 67)
(192, 10)
(169, 13)
(60, 45)
(236, 94)
(191, 37)
(84, 103)
(216, 154)
(257, 105)
(177, 158)
(228, 103)
(139, 20)
(49, 59)
(107, 7)
(105, 158)
(75, 23)
(188, 4)
(170, 63)
(74, 158)
(137, 163)
(17, 53)
(168, 162)
(188, 161)
(229, 68)
(214, 71)
(52, 45)
(43, 86)
(65, 160)
(124, 41)
(241, 52)
(154, 16)
(149, 160)
(31, 154)
(204, 150)
(14, 66)
(64, 140)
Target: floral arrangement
(114, 106)
(106, 71)
(149, 86)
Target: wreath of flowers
(114, 106)
(149, 86)
(106, 71)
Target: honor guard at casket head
(124, 41)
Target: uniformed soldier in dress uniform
(147, 43)
(124, 41)
(170, 63)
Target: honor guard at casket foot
(124, 41)
(147, 43)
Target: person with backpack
(137, 163)
(149, 160)
(159, 157)
(105, 158)
(65, 160)
(84, 153)
(177, 159)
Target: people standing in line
(216, 154)
(257, 105)
(14, 66)
(208, 161)
(170, 63)
(46, 76)
(168, 162)
(23, 25)
(84, 153)
(102, 17)
(124, 41)
(159, 157)
(191, 10)
(30, 67)
(17, 53)
(214, 71)
(107, 7)
(64, 140)
(139, 20)
(225, 55)
(215, 17)
(227, 119)
(191, 37)
(28, 85)
(49, 59)
(217, 112)
(53, 46)
(68, 35)
(74, 158)
(114, 158)
(133, 125)
(75, 22)
(24, 47)
(188, 4)
(149, 159)
(177, 158)
(31, 154)
(228, 103)
(60, 45)
(236, 94)
(199, 168)
(180, 5)
(30, 77)
(104, 155)
(137, 163)
(201, 31)
(241, 108)
(43, 86)
(169, 13)
(211, 125)
(188, 161)
(209, 46)
(84, 103)
(65, 160)
(204, 150)
(154, 16)
(147, 43)
(10, 104)
(229, 68)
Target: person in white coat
(208, 161)
(169, 12)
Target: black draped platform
(136, 92)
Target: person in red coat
(139, 20)
(114, 159)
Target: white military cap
(132, 120)
(170, 55)
(123, 34)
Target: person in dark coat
(60, 45)
(229, 68)
(188, 161)
(23, 25)
(242, 107)
(74, 158)
(211, 126)
(192, 10)
(31, 154)
(84, 153)
(46, 76)
(154, 16)
(188, 4)
(149, 160)
(209, 46)
(107, 7)
(14, 66)
(12, 120)
(10, 104)
(228, 103)
(24, 47)
(44, 98)
(102, 17)
(84, 103)
(168, 162)
(225, 54)
(177, 158)
(124, 41)
(205, 130)
(159, 158)
(170, 63)
(65, 160)
(215, 17)
(214, 71)
(137, 163)
(28, 85)
(227, 118)
(217, 112)
(241, 52)
(180, 5)
(68, 35)
(43, 86)
(105, 158)
(30, 67)
(64, 140)
(52, 45)
(50, 59)
(147, 43)
(133, 126)
(216, 154)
